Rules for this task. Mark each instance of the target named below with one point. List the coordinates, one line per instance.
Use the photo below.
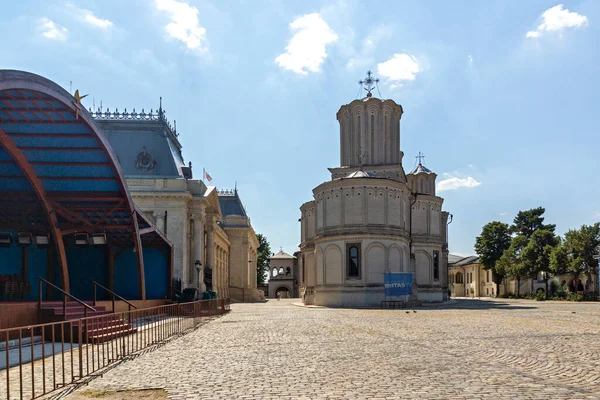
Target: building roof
(145, 144)
(58, 172)
(281, 255)
(360, 174)
(230, 203)
(458, 261)
(420, 169)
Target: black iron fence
(40, 359)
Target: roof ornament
(77, 102)
(369, 83)
(420, 156)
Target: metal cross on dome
(369, 83)
(420, 157)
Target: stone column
(199, 251)
(159, 215)
(210, 247)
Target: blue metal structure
(59, 179)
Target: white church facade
(372, 218)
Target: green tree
(529, 221)
(512, 260)
(489, 246)
(536, 255)
(262, 261)
(575, 255)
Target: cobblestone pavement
(469, 349)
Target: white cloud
(51, 30)
(401, 67)
(558, 18)
(470, 165)
(307, 49)
(503, 214)
(597, 215)
(88, 17)
(470, 59)
(97, 22)
(364, 57)
(184, 25)
(457, 183)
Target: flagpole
(203, 174)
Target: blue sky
(502, 97)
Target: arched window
(281, 271)
(436, 265)
(353, 263)
(459, 277)
(288, 270)
(274, 272)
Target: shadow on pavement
(478, 304)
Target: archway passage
(63, 199)
(284, 292)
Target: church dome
(360, 174)
(420, 169)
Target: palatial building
(372, 217)
(213, 240)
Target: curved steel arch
(12, 80)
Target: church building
(372, 218)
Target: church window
(281, 271)
(436, 265)
(274, 272)
(353, 262)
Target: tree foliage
(490, 245)
(512, 259)
(536, 255)
(529, 221)
(575, 255)
(262, 261)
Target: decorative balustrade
(158, 115)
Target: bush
(540, 295)
(553, 288)
(574, 296)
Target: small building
(468, 278)
(283, 277)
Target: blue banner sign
(397, 284)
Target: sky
(500, 96)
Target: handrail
(65, 294)
(113, 297)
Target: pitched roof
(281, 255)
(458, 261)
(231, 204)
(420, 169)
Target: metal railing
(40, 359)
(65, 294)
(129, 304)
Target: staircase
(96, 330)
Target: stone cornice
(360, 236)
(379, 183)
(362, 230)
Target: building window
(436, 266)
(353, 263)
(459, 277)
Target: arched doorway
(284, 292)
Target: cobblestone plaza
(468, 349)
